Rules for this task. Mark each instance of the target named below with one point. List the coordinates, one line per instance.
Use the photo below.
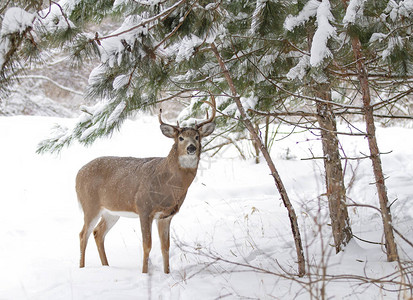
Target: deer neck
(180, 165)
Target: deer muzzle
(191, 149)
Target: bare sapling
(149, 188)
(362, 74)
(274, 172)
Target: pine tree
(161, 50)
(361, 55)
(367, 47)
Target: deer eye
(181, 138)
(197, 137)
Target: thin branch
(176, 27)
(145, 22)
(366, 241)
(311, 114)
(51, 81)
(63, 14)
(283, 113)
(4, 6)
(403, 237)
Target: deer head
(188, 139)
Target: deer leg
(89, 224)
(146, 226)
(163, 230)
(105, 224)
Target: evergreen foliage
(162, 48)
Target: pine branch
(181, 21)
(15, 40)
(293, 94)
(62, 12)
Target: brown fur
(148, 187)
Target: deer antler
(214, 110)
(163, 123)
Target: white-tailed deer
(148, 188)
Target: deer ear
(207, 129)
(168, 130)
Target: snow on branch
(133, 28)
(98, 120)
(308, 11)
(322, 12)
(397, 9)
(55, 17)
(102, 117)
(324, 32)
(116, 113)
(256, 16)
(299, 71)
(15, 21)
(186, 47)
(354, 9)
(397, 12)
(18, 23)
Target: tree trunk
(390, 243)
(270, 163)
(256, 146)
(336, 192)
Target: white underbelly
(119, 213)
(127, 214)
(157, 215)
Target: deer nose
(191, 149)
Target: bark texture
(390, 243)
(336, 192)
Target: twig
(51, 81)
(403, 237)
(366, 241)
(145, 22)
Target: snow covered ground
(231, 239)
